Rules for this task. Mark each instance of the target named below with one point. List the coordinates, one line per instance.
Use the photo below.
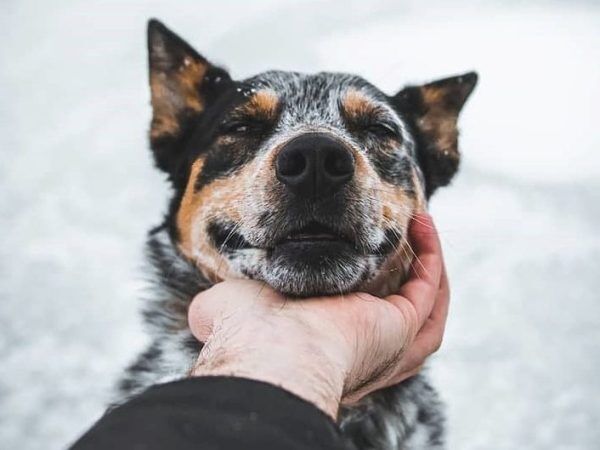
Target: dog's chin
(314, 267)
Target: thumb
(211, 306)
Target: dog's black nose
(314, 165)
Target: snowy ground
(519, 369)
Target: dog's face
(307, 182)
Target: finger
(424, 279)
(429, 338)
(442, 302)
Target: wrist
(306, 373)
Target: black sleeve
(208, 413)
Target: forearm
(206, 412)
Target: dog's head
(307, 182)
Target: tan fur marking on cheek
(398, 208)
(398, 205)
(187, 209)
(220, 199)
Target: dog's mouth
(309, 258)
(315, 233)
(227, 238)
(315, 259)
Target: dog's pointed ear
(433, 111)
(181, 83)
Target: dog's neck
(174, 282)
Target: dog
(306, 182)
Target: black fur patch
(390, 243)
(225, 238)
(394, 167)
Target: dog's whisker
(232, 233)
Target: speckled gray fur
(406, 416)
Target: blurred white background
(519, 367)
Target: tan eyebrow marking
(263, 104)
(356, 104)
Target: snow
(520, 224)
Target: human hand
(326, 350)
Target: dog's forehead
(314, 97)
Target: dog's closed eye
(236, 127)
(382, 129)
